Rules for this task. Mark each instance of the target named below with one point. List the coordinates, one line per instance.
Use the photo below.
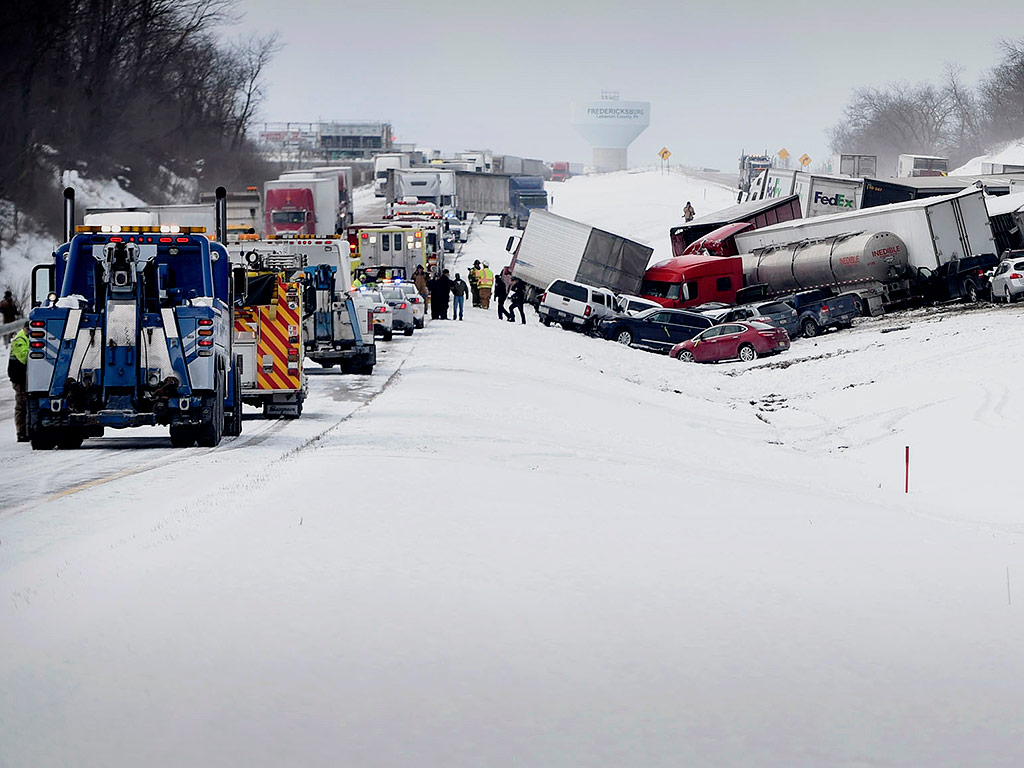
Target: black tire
(861, 306)
(182, 436)
(388, 335)
(970, 292)
(566, 326)
(747, 353)
(365, 370)
(685, 356)
(325, 364)
(233, 421)
(810, 328)
(418, 324)
(624, 337)
(546, 322)
(407, 331)
(43, 439)
(844, 325)
(1007, 295)
(209, 434)
(70, 439)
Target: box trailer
(759, 213)
(556, 248)
(300, 205)
(858, 166)
(823, 195)
(508, 164)
(878, 192)
(483, 193)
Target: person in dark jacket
(517, 298)
(9, 308)
(443, 296)
(435, 296)
(17, 366)
(500, 294)
(459, 291)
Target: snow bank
(641, 205)
(1011, 153)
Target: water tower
(610, 126)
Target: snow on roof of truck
(1004, 203)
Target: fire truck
(268, 333)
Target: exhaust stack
(69, 213)
(221, 214)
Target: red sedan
(730, 341)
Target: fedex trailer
(823, 195)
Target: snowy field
(519, 546)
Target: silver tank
(843, 262)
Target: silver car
(1008, 279)
(419, 306)
(402, 318)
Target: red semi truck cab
(290, 211)
(686, 281)
(559, 171)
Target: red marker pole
(906, 482)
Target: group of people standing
(442, 291)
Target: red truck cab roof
(685, 281)
(718, 242)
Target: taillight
(543, 296)
(403, 305)
(586, 312)
(206, 342)
(381, 310)
(981, 273)
(205, 321)
(38, 324)
(37, 344)
(1016, 276)
(824, 307)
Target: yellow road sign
(783, 153)
(664, 154)
(805, 159)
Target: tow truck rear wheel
(407, 331)
(182, 436)
(233, 421)
(70, 439)
(43, 440)
(209, 433)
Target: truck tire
(43, 439)
(70, 439)
(182, 436)
(365, 370)
(810, 328)
(407, 331)
(388, 335)
(208, 434)
(546, 322)
(233, 422)
(747, 353)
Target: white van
(575, 305)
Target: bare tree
(1002, 94)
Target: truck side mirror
(42, 283)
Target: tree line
(124, 86)
(948, 118)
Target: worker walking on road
(474, 285)
(688, 212)
(501, 293)
(419, 279)
(485, 281)
(17, 366)
(517, 298)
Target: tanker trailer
(871, 265)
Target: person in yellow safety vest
(485, 281)
(17, 367)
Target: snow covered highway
(525, 546)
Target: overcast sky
(720, 76)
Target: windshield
(660, 289)
(533, 199)
(288, 217)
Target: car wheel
(971, 292)
(567, 326)
(685, 356)
(810, 328)
(546, 322)
(1007, 295)
(624, 337)
(407, 331)
(748, 353)
(860, 306)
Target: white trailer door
(551, 249)
(943, 220)
(976, 227)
